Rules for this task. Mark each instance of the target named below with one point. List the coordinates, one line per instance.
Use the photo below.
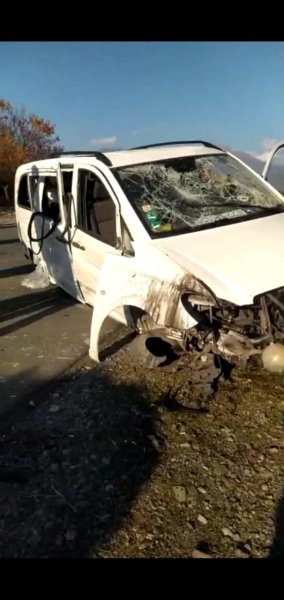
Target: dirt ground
(119, 462)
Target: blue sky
(130, 93)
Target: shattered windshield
(192, 193)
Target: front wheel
(150, 351)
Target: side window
(67, 189)
(34, 182)
(23, 193)
(96, 209)
(50, 199)
(67, 181)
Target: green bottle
(153, 219)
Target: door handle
(77, 245)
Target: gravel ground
(110, 465)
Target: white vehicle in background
(181, 241)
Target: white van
(181, 241)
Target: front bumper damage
(234, 333)
(242, 332)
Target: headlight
(203, 296)
(195, 299)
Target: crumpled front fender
(159, 299)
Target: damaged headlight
(198, 300)
(201, 297)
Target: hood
(237, 262)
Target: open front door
(26, 202)
(273, 171)
(51, 225)
(97, 232)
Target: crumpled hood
(237, 262)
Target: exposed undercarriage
(229, 331)
(241, 331)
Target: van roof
(123, 158)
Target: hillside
(276, 175)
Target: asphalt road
(42, 332)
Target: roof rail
(207, 144)
(95, 154)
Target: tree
(23, 138)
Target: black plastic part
(99, 155)
(206, 144)
(42, 236)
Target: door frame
(102, 177)
(269, 160)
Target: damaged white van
(181, 241)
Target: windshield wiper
(277, 207)
(219, 222)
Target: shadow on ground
(10, 241)
(20, 270)
(28, 308)
(69, 478)
(277, 548)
